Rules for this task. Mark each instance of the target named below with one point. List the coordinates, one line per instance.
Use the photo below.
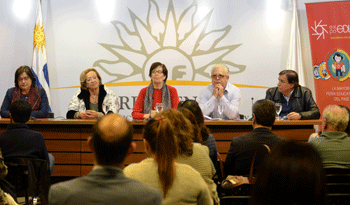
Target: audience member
(195, 125)
(220, 92)
(110, 143)
(242, 148)
(5, 198)
(18, 141)
(193, 154)
(291, 175)
(313, 136)
(208, 139)
(333, 143)
(179, 183)
(297, 101)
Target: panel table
(67, 139)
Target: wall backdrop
(121, 39)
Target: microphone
(251, 119)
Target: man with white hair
(333, 143)
(220, 92)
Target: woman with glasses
(93, 99)
(157, 92)
(26, 89)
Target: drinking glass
(159, 107)
(278, 109)
(221, 109)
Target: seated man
(297, 102)
(220, 92)
(110, 143)
(18, 141)
(242, 148)
(334, 144)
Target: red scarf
(33, 97)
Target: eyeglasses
(23, 79)
(218, 76)
(157, 71)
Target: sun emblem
(39, 36)
(186, 48)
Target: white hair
(220, 66)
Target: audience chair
(338, 185)
(31, 176)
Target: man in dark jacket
(18, 141)
(297, 102)
(242, 148)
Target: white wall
(75, 30)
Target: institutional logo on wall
(186, 48)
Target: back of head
(196, 127)
(111, 140)
(193, 106)
(20, 111)
(337, 117)
(182, 128)
(292, 76)
(159, 134)
(347, 130)
(292, 174)
(265, 112)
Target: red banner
(329, 31)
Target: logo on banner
(187, 48)
(319, 30)
(338, 65)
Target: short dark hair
(292, 76)
(339, 55)
(111, 152)
(265, 112)
(24, 69)
(164, 69)
(20, 111)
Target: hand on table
(294, 116)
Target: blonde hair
(337, 117)
(83, 77)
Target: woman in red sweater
(157, 92)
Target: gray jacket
(303, 102)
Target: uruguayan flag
(39, 66)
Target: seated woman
(292, 174)
(26, 90)
(179, 183)
(193, 154)
(94, 99)
(208, 139)
(156, 92)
